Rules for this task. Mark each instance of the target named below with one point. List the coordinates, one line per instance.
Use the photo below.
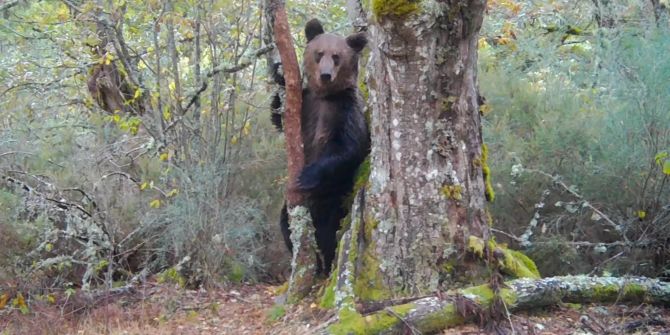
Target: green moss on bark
(484, 295)
(368, 285)
(397, 8)
(486, 170)
(360, 181)
(513, 263)
(352, 323)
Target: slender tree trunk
(426, 192)
(303, 262)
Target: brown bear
(334, 132)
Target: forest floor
(251, 309)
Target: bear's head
(330, 60)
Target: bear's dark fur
(335, 136)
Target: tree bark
(426, 191)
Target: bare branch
(225, 68)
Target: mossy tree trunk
(419, 225)
(426, 193)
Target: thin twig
(409, 325)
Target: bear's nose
(325, 77)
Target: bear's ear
(313, 28)
(357, 41)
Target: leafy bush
(577, 140)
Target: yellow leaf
(482, 44)
(166, 114)
(116, 118)
(234, 139)
(48, 247)
(144, 186)
(164, 156)
(63, 13)
(172, 86)
(641, 214)
(156, 203)
(20, 303)
(246, 130)
(504, 40)
(3, 300)
(51, 298)
(173, 192)
(485, 109)
(138, 93)
(666, 168)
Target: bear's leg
(325, 239)
(328, 215)
(283, 224)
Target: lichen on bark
(303, 261)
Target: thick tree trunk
(420, 224)
(426, 192)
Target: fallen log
(430, 315)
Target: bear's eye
(318, 56)
(336, 59)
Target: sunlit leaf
(156, 203)
(247, 128)
(166, 114)
(63, 13)
(641, 214)
(20, 303)
(3, 300)
(482, 44)
(485, 109)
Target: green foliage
(162, 182)
(586, 105)
(172, 275)
(276, 312)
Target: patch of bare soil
(250, 309)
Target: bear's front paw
(309, 179)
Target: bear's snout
(326, 77)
